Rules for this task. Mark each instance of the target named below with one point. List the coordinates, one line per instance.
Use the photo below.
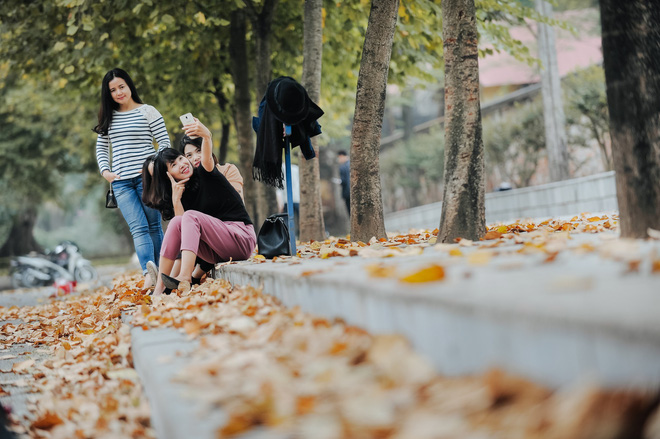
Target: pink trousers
(208, 237)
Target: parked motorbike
(64, 262)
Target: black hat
(288, 100)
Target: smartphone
(187, 119)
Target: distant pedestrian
(128, 126)
(345, 176)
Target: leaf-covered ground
(270, 366)
(86, 387)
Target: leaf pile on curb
(413, 243)
(86, 387)
(269, 366)
(546, 239)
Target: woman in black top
(208, 217)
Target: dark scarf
(267, 164)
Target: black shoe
(169, 282)
(173, 284)
(196, 281)
(205, 266)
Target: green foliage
(514, 142)
(585, 103)
(413, 171)
(40, 141)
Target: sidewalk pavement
(550, 305)
(20, 396)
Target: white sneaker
(153, 272)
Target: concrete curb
(173, 414)
(574, 319)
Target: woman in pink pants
(208, 217)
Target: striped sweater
(131, 135)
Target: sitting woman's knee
(175, 222)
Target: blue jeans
(143, 221)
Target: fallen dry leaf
(431, 273)
(47, 421)
(22, 366)
(493, 234)
(379, 270)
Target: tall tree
(631, 54)
(37, 145)
(242, 111)
(366, 199)
(312, 225)
(262, 24)
(463, 205)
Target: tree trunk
(20, 240)
(553, 109)
(263, 24)
(224, 142)
(631, 54)
(366, 197)
(463, 205)
(223, 102)
(312, 225)
(242, 111)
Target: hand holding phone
(187, 119)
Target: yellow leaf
(402, 12)
(429, 274)
(259, 257)
(200, 17)
(455, 252)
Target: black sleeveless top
(215, 196)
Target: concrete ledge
(173, 415)
(595, 193)
(578, 317)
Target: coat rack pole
(289, 190)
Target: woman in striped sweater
(127, 127)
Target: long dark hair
(108, 104)
(197, 142)
(157, 188)
(148, 194)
